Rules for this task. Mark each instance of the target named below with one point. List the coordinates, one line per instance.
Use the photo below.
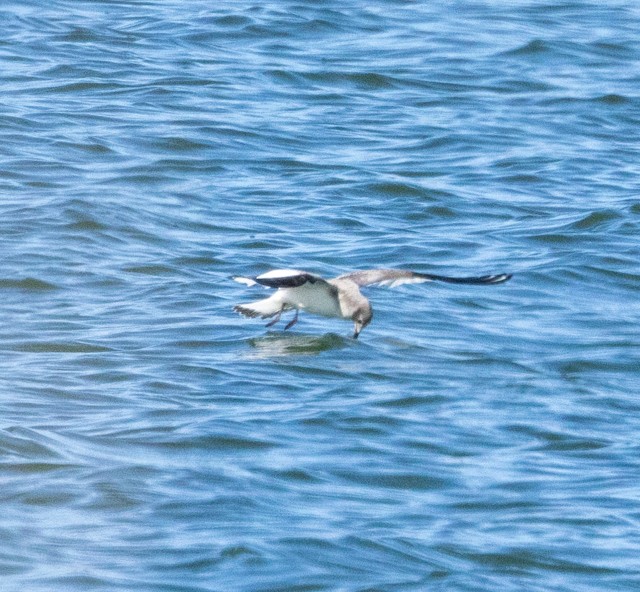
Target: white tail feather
(260, 308)
(244, 280)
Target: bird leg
(293, 321)
(278, 315)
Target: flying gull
(339, 297)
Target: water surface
(472, 439)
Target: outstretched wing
(396, 277)
(281, 278)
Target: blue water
(473, 439)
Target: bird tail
(482, 280)
(266, 308)
(244, 280)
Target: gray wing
(282, 278)
(396, 277)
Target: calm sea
(473, 438)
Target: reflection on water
(275, 345)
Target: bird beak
(356, 332)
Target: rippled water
(473, 438)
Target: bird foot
(272, 323)
(292, 322)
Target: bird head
(361, 319)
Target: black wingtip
(290, 281)
(484, 280)
(496, 279)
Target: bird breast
(314, 298)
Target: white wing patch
(279, 273)
(396, 277)
(394, 282)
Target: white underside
(314, 298)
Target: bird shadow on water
(295, 344)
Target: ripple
(59, 347)
(613, 99)
(220, 443)
(394, 480)
(232, 20)
(153, 270)
(81, 35)
(521, 559)
(533, 47)
(597, 219)
(28, 285)
(396, 189)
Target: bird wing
(396, 277)
(282, 278)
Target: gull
(338, 297)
